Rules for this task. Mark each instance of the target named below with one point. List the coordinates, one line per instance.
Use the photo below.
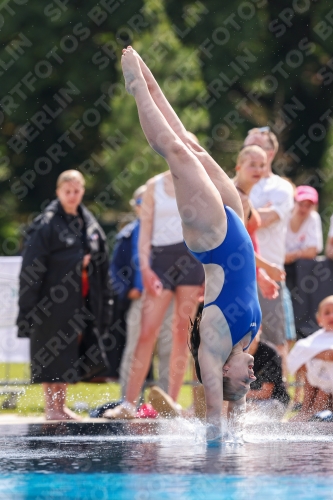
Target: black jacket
(52, 311)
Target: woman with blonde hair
(64, 304)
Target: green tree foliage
(63, 103)
(265, 63)
(54, 92)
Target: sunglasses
(264, 129)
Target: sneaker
(146, 411)
(163, 403)
(124, 411)
(322, 416)
(100, 410)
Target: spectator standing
(64, 303)
(272, 196)
(127, 283)
(304, 241)
(304, 231)
(250, 166)
(126, 288)
(168, 271)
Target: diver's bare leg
(220, 179)
(199, 202)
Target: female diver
(213, 229)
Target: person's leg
(133, 321)
(273, 326)
(321, 402)
(195, 192)
(164, 347)
(198, 392)
(55, 402)
(153, 309)
(299, 381)
(50, 404)
(310, 394)
(282, 349)
(186, 304)
(220, 179)
(289, 315)
(290, 330)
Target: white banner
(12, 349)
(9, 289)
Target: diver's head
(237, 375)
(237, 370)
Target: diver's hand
(213, 433)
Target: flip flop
(163, 403)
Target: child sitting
(314, 355)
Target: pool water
(166, 460)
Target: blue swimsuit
(238, 299)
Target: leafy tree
(56, 71)
(265, 63)
(63, 102)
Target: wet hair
(248, 150)
(70, 175)
(229, 394)
(194, 343)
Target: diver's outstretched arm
(211, 369)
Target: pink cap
(306, 193)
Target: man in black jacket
(65, 297)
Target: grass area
(31, 403)
(14, 371)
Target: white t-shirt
(279, 194)
(310, 234)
